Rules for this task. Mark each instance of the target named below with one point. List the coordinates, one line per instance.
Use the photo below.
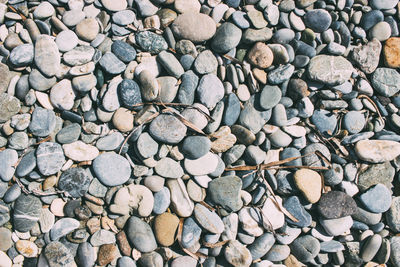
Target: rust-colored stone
(391, 52)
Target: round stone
(391, 52)
(111, 169)
(354, 122)
(50, 158)
(381, 31)
(43, 11)
(167, 129)
(305, 248)
(168, 168)
(47, 57)
(111, 64)
(203, 165)
(123, 120)
(318, 20)
(261, 55)
(196, 27)
(87, 29)
(5, 239)
(123, 51)
(9, 106)
(194, 147)
(151, 42)
(237, 254)
(377, 151)
(205, 62)
(66, 40)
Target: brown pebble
(261, 55)
(165, 226)
(107, 253)
(123, 244)
(93, 225)
(391, 52)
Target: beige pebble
(57, 207)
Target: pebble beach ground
(190, 133)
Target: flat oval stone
(169, 168)
(62, 96)
(86, 254)
(377, 151)
(194, 147)
(167, 129)
(75, 181)
(63, 227)
(165, 226)
(47, 57)
(27, 210)
(318, 20)
(69, 134)
(114, 5)
(123, 51)
(50, 158)
(111, 64)
(201, 166)
(22, 55)
(140, 235)
(79, 55)
(26, 165)
(66, 40)
(196, 27)
(270, 96)
(162, 199)
(79, 151)
(330, 70)
(261, 245)
(208, 220)
(111, 169)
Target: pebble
(49, 158)
(9, 107)
(5, 238)
(336, 204)
(8, 158)
(377, 151)
(58, 254)
(318, 20)
(210, 90)
(225, 191)
(203, 165)
(261, 245)
(331, 70)
(305, 248)
(385, 81)
(208, 220)
(167, 129)
(140, 235)
(43, 122)
(22, 55)
(27, 248)
(182, 205)
(196, 27)
(377, 199)
(260, 55)
(111, 169)
(237, 254)
(26, 212)
(165, 226)
(391, 50)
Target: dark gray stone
(43, 122)
(75, 181)
(139, 233)
(27, 210)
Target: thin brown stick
(215, 245)
(372, 103)
(13, 9)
